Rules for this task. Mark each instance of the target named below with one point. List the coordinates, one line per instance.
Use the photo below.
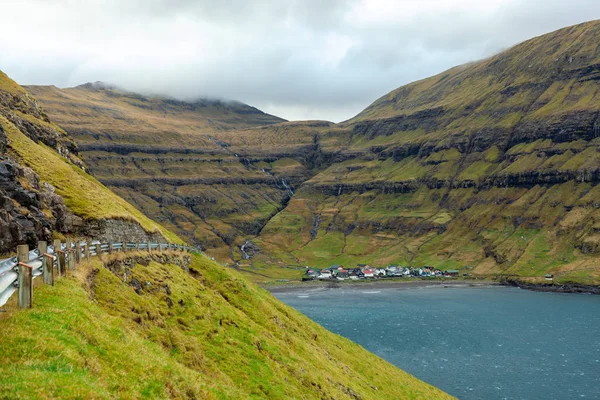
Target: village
(338, 272)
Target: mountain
(490, 167)
(214, 172)
(139, 325)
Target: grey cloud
(301, 59)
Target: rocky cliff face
(29, 210)
(23, 111)
(22, 219)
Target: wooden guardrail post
(69, 258)
(25, 277)
(88, 246)
(137, 245)
(77, 252)
(22, 253)
(110, 249)
(99, 249)
(62, 263)
(149, 248)
(70, 251)
(43, 249)
(56, 245)
(124, 246)
(48, 269)
(57, 254)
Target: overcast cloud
(299, 59)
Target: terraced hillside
(493, 164)
(212, 171)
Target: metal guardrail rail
(16, 273)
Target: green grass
(210, 335)
(519, 231)
(10, 86)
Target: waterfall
(245, 255)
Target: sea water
(474, 343)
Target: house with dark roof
(342, 275)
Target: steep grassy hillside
(207, 335)
(213, 172)
(493, 165)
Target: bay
(474, 343)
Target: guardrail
(17, 273)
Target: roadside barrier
(57, 260)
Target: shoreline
(375, 284)
(408, 284)
(553, 287)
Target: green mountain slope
(213, 172)
(492, 164)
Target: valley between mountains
(493, 165)
(159, 324)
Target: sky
(298, 59)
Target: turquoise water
(474, 343)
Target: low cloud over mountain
(297, 59)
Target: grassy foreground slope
(493, 165)
(208, 334)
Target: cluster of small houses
(367, 272)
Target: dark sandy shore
(554, 287)
(374, 284)
(421, 283)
